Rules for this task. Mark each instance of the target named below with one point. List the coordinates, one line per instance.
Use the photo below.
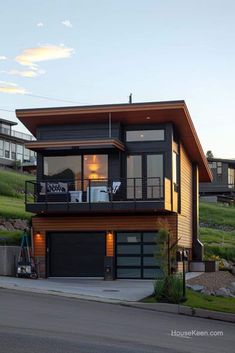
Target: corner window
(62, 167)
(145, 135)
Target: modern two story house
(108, 177)
(223, 185)
(12, 147)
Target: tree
(209, 154)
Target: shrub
(174, 291)
(159, 289)
(169, 289)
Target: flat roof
(175, 112)
(225, 160)
(8, 122)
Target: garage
(75, 254)
(135, 255)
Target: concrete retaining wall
(8, 260)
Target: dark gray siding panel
(77, 132)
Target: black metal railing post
(89, 188)
(46, 195)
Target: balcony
(100, 195)
(17, 134)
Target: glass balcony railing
(88, 192)
(17, 134)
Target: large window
(231, 177)
(26, 154)
(95, 166)
(134, 177)
(62, 167)
(13, 151)
(145, 135)
(7, 149)
(81, 171)
(154, 176)
(1, 148)
(145, 176)
(19, 153)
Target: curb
(184, 310)
(158, 307)
(58, 293)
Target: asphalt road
(33, 323)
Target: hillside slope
(12, 185)
(217, 230)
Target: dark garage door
(135, 255)
(76, 254)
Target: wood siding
(185, 221)
(111, 223)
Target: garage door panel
(76, 254)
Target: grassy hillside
(216, 214)
(218, 230)
(12, 185)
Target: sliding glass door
(145, 176)
(134, 177)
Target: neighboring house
(108, 178)
(12, 146)
(223, 184)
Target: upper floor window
(1, 148)
(231, 177)
(13, 151)
(19, 154)
(145, 135)
(7, 149)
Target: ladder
(26, 265)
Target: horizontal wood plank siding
(185, 225)
(111, 223)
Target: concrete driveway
(96, 289)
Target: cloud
(11, 88)
(31, 56)
(3, 57)
(40, 24)
(67, 23)
(26, 73)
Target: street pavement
(33, 323)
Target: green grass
(218, 242)
(12, 183)
(11, 207)
(215, 214)
(218, 237)
(197, 300)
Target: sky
(64, 53)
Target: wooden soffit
(83, 144)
